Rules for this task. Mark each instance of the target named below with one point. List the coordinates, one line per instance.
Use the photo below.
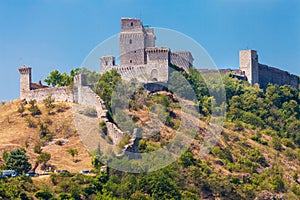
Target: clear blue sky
(49, 34)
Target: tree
(43, 158)
(48, 102)
(62, 79)
(73, 153)
(54, 79)
(106, 85)
(18, 160)
(187, 159)
(34, 109)
(21, 109)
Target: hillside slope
(16, 133)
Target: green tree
(73, 153)
(57, 78)
(43, 158)
(106, 85)
(21, 110)
(43, 194)
(34, 109)
(187, 159)
(18, 160)
(48, 102)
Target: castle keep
(139, 57)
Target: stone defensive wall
(81, 94)
(63, 94)
(267, 74)
(85, 96)
(182, 59)
(235, 73)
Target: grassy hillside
(15, 132)
(257, 155)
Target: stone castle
(139, 57)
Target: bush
(103, 127)
(276, 144)
(124, 141)
(21, 109)
(37, 149)
(30, 122)
(222, 153)
(48, 102)
(42, 194)
(90, 112)
(252, 119)
(187, 159)
(34, 109)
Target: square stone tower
(249, 65)
(134, 38)
(106, 63)
(25, 81)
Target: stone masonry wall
(61, 94)
(182, 60)
(86, 97)
(275, 76)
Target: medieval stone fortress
(140, 59)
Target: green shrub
(34, 109)
(103, 127)
(90, 112)
(37, 148)
(30, 122)
(42, 194)
(124, 141)
(48, 102)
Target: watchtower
(106, 63)
(25, 80)
(249, 64)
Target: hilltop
(256, 156)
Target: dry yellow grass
(15, 133)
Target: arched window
(130, 41)
(131, 24)
(130, 61)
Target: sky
(59, 34)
